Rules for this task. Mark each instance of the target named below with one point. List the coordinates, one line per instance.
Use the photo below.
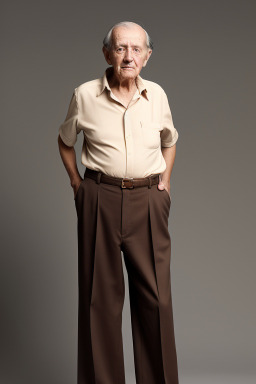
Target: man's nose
(128, 55)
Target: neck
(121, 84)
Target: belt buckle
(127, 179)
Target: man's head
(127, 47)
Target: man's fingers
(160, 185)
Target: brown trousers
(111, 219)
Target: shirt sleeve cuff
(68, 142)
(168, 144)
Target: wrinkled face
(129, 52)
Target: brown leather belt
(126, 182)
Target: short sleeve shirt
(120, 141)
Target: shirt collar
(139, 82)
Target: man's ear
(147, 58)
(106, 55)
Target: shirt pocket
(151, 133)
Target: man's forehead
(128, 35)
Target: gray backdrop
(204, 58)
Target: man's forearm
(169, 156)
(68, 156)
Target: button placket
(129, 143)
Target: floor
(212, 379)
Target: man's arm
(68, 156)
(169, 154)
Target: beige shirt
(120, 141)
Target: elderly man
(123, 204)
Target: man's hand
(68, 156)
(169, 156)
(75, 184)
(164, 185)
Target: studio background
(204, 58)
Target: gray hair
(107, 41)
